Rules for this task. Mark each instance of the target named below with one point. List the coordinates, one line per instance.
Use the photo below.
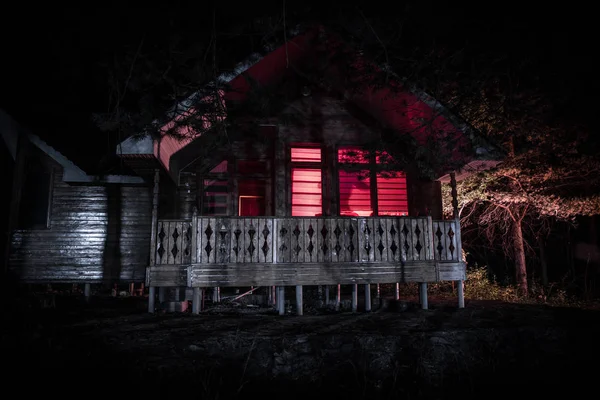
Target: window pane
(353, 155)
(306, 154)
(355, 193)
(392, 196)
(215, 197)
(35, 198)
(221, 168)
(306, 192)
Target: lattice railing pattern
(225, 240)
(173, 242)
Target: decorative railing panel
(444, 240)
(265, 240)
(174, 242)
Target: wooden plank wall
(96, 234)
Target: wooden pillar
(151, 298)
(196, 301)
(367, 297)
(273, 295)
(87, 291)
(378, 291)
(338, 298)
(458, 238)
(281, 300)
(299, 305)
(327, 296)
(161, 294)
(131, 288)
(216, 294)
(154, 226)
(397, 293)
(177, 294)
(320, 295)
(153, 229)
(423, 295)
(354, 297)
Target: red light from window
(306, 154)
(353, 155)
(306, 192)
(355, 194)
(220, 169)
(392, 195)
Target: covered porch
(211, 252)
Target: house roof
(11, 130)
(398, 109)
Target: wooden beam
(423, 295)
(299, 305)
(154, 227)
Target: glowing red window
(353, 155)
(392, 198)
(306, 154)
(306, 192)
(355, 193)
(220, 168)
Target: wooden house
(301, 195)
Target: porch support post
(397, 294)
(216, 294)
(153, 228)
(161, 294)
(87, 291)
(423, 295)
(367, 297)
(354, 297)
(327, 296)
(196, 301)
(273, 290)
(151, 297)
(338, 298)
(281, 300)
(461, 294)
(177, 294)
(320, 295)
(299, 305)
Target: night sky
(56, 59)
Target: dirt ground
(113, 347)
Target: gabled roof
(10, 131)
(381, 103)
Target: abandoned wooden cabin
(293, 198)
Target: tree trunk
(543, 261)
(520, 265)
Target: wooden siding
(96, 234)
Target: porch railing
(237, 240)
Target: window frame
(374, 169)
(305, 165)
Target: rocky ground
(112, 347)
